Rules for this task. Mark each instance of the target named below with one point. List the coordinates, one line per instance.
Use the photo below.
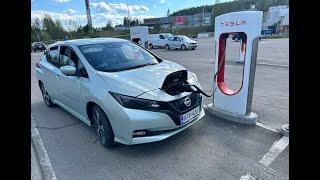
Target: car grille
(193, 43)
(177, 107)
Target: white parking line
(264, 42)
(275, 150)
(266, 127)
(247, 177)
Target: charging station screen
(232, 50)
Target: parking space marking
(276, 148)
(247, 177)
(264, 42)
(264, 126)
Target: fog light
(139, 133)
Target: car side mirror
(68, 70)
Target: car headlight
(135, 103)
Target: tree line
(226, 7)
(47, 29)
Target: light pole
(128, 14)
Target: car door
(162, 40)
(51, 71)
(175, 42)
(72, 92)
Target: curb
(285, 130)
(46, 168)
(250, 119)
(35, 166)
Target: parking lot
(210, 149)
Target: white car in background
(181, 42)
(159, 40)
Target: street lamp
(128, 14)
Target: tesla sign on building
(179, 20)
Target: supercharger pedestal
(140, 35)
(227, 103)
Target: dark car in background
(38, 46)
(236, 37)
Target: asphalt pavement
(210, 149)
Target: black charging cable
(188, 87)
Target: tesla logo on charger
(234, 23)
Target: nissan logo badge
(187, 101)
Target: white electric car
(181, 42)
(158, 40)
(125, 92)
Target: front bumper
(192, 46)
(158, 125)
(167, 133)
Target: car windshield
(117, 56)
(184, 38)
(168, 35)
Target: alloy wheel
(99, 127)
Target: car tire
(46, 97)
(102, 127)
(193, 48)
(150, 46)
(183, 47)
(167, 47)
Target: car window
(116, 56)
(68, 57)
(82, 70)
(170, 38)
(53, 55)
(175, 39)
(184, 38)
(161, 36)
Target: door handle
(58, 76)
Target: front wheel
(150, 46)
(102, 127)
(46, 97)
(167, 47)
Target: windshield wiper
(139, 66)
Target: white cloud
(64, 18)
(162, 1)
(118, 8)
(101, 14)
(154, 5)
(70, 11)
(62, 1)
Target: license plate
(189, 115)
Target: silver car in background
(118, 88)
(181, 42)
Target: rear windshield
(117, 56)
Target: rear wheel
(151, 46)
(183, 47)
(46, 97)
(103, 127)
(167, 47)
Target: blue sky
(103, 11)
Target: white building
(277, 17)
